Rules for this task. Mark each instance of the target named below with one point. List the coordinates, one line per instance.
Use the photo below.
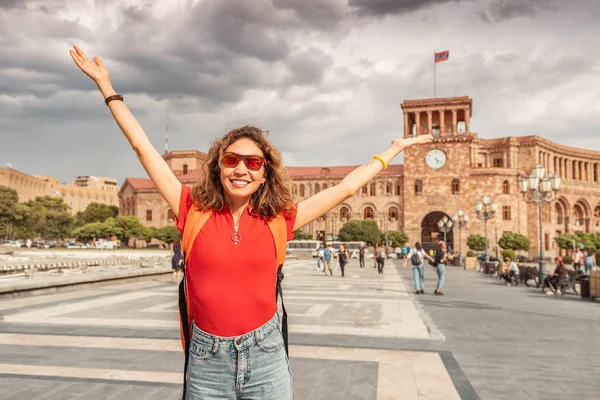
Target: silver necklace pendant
(236, 237)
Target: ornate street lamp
(539, 189)
(460, 219)
(445, 225)
(485, 209)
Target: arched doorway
(430, 233)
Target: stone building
(78, 195)
(436, 180)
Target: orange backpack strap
(278, 227)
(194, 222)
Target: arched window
(505, 187)
(373, 189)
(185, 169)
(393, 213)
(317, 188)
(418, 187)
(170, 215)
(398, 189)
(302, 190)
(363, 190)
(560, 217)
(324, 186)
(368, 214)
(294, 189)
(388, 188)
(344, 213)
(455, 186)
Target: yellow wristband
(382, 161)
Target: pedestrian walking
(176, 261)
(328, 257)
(578, 258)
(343, 257)
(380, 257)
(417, 258)
(589, 262)
(439, 263)
(320, 255)
(235, 222)
(361, 255)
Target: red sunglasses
(253, 162)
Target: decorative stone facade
(414, 196)
(78, 197)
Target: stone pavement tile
(97, 358)
(332, 380)
(496, 332)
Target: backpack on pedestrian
(415, 259)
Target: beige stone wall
(78, 198)
(381, 203)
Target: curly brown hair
(271, 198)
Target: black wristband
(113, 97)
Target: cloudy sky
(325, 77)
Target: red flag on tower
(441, 56)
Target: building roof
(295, 172)
(337, 171)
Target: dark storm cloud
(501, 10)
(388, 7)
(11, 4)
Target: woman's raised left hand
(403, 143)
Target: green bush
(568, 260)
(508, 253)
(470, 253)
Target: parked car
(12, 243)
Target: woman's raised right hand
(94, 69)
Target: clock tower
(435, 173)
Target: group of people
(417, 256)
(584, 259)
(327, 255)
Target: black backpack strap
(185, 325)
(284, 323)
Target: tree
(397, 238)
(9, 199)
(564, 241)
(299, 235)
(50, 203)
(58, 224)
(96, 212)
(168, 234)
(514, 241)
(125, 227)
(365, 230)
(147, 234)
(476, 242)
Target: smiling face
(240, 183)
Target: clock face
(436, 158)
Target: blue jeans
(441, 273)
(250, 366)
(419, 276)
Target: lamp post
(485, 209)
(460, 219)
(539, 189)
(445, 225)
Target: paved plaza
(364, 336)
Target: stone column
(418, 123)
(454, 133)
(442, 123)
(406, 130)
(429, 121)
(467, 121)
